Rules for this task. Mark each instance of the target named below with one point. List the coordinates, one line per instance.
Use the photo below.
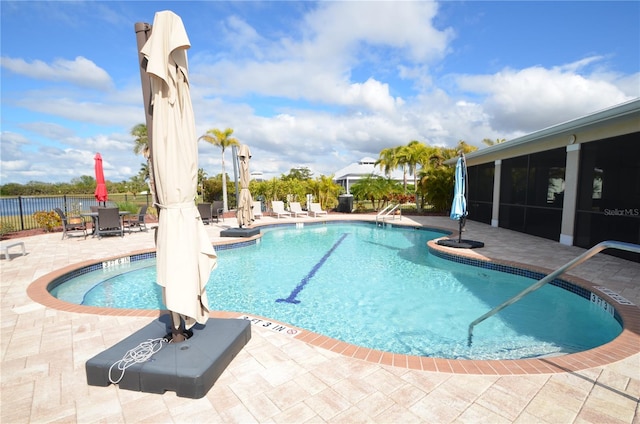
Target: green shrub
(128, 206)
(6, 228)
(47, 220)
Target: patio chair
(296, 209)
(316, 209)
(205, 212)
(109, 222)
(137, 220)
(69, 228)
(257, 209)
(217, 209)
(277, 206)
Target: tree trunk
(225, 203)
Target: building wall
(577, 182)
(608, 200)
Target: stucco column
(495, 211)
(570, 194)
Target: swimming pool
(374, 287)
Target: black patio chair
(137, 220)
(109, 222)
(69, 227)
(205, 212)
(217, 209)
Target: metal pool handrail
(390, 209)
(609, 244)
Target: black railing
(16, 212)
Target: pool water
(372, 286)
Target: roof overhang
(618, 120)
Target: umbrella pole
(177, 328)
(464, 212)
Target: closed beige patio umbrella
(185, 256)
(244, 213)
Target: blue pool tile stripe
(316, 267)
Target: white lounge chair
(278, 208)
(316, 209)
(257, 209)
(296, 209)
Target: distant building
(577, 182)
(351, 174)
(257, 175)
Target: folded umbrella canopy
(185, 256)
(245, 202)
(459, 205)
(101, 188)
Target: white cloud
(343, 82)
(319, 67)
(81, 71)
(534, 98)
(346, 27)
(97, 112)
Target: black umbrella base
(462, 244)
(189, 368)
(239, 232)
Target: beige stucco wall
(560, 136)
(617, 121)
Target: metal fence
(16, 212)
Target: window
(532, 193)
(608, 204)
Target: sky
(307, 84)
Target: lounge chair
(217, 209)
(69, 228)
(296, 209)
(277, 206)
(109, 222)
(137, 220)
(316, 209)
(205, 212)
(257, 209)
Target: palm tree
(223, 140)
(202, 176)
(326, 191)
(141, 141)
(413, 154)
(142, 147)
(490, 142)
(144, 171)
(390, 159)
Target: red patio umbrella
(101, 188)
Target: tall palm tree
(143, 173)
(202, 176)
(390, 159)
(223, 140)
(413, 154)
(141, 147)
(141, 140)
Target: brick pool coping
(623, 346)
